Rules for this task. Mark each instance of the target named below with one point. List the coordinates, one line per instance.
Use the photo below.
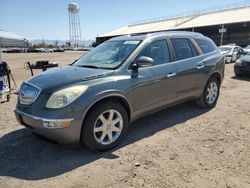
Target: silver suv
(96, 98)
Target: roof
(9, 39)
(157, 34)
(237, 15)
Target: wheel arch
(200, 100)
(114, 97)
(217, 76)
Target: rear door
(155, 86)
(190, 68)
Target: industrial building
(224, 24)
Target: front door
(155, 86)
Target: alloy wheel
(212, 93)
(108, 127)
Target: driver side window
(158, 51)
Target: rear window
(205, 45)
(183, 48)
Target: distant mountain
(60, 42)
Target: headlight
(239, 62)
(66, 96)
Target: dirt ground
(183, 146)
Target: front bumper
(67, 134)
(242, 69)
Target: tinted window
(158, 51)
(194, 51)
(183, 49)
(236, 49)
(205, 45)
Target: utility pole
(222, 31)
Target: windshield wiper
(89, 66)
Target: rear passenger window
(194, 51)
(205, 45)
(183, 49)
(158, 51)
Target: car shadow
(243, 78)
(28, 157)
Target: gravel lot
(183, 146)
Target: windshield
(108, 55)
(227, 49)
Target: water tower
(74, 25)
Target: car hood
(52, 80)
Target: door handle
(171, 75)
(200, 66)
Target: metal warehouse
(224, 24)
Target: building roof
(9, 39)
(237, 15)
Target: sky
(34, 19)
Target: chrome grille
(28, 93)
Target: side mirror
(143, 61)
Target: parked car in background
(48, 49)
(247, 49)
(242, 66)
(96, 98)
(32, 50)
(58, 50)
(231, 52)
(40, 49)
(12, 50)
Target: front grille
(28, 93)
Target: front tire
(210, 94)
(237, 73)
(105, 126)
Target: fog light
(50, 124)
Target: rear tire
(210, 94)
(105, 126)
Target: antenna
(75, 37)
